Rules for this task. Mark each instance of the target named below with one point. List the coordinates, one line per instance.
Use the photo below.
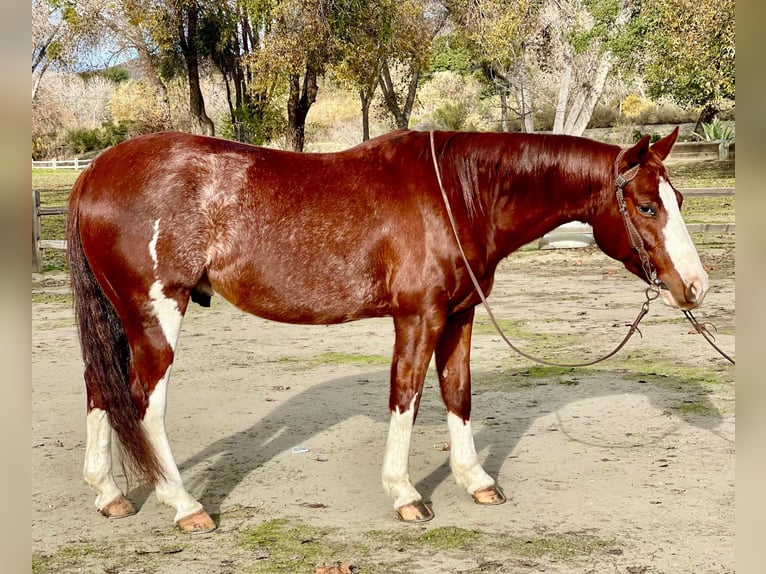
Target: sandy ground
(627, 467)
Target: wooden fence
(570, 235)
(75, 163)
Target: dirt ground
(626, 467)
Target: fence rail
(573, 234)
(75, 163)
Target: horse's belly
(304, 299)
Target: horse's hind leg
(453, 367)
(153, 339)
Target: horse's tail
(105, 351)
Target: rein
(652, 292)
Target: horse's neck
(546, 187)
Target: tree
(414, 26)
(592, 28)
(362, 32)
(297, 50)
(187, 16)
(690, 50)
(500, 31)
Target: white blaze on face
(680, 247)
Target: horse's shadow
(231, 459)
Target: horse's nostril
(695, 292)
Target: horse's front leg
(453, 354)
(416, 336)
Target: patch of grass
(450, 537)
(695, 408)
(661, 371)
(709, 209)
(565, 547)
(334, 358)
(64, 557)
(708, 173)
(283, 547)
(64, 299)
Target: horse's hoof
(417, 511)
(197, 523)
(120, 507)
(489, 496)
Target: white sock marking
(171, 491)
(97, 469)
(463, 458)
(396, 478)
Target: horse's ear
(662, 147)
(633, 156)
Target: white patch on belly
(678, 243)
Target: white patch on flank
(679, 244)
(167, 313)
(463, 459)
(171, 491)
(396, 478)
(153, 243)
(164, 308)
(97, 469)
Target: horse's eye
(647, 210)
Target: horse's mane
(527, 162)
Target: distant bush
(82, 140)
(663, 113)
(604, 117)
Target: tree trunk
(366, 101)
(591, 97)
(188, 42)
(146, 61)
(707, 115)
(401, 113)
(504, 125)
(299, 102)
(561, 104)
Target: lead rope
(652, 292)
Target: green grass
(65, 557)
(559, 547)
(283, 547)
(708, 209)
(54, 186)
(708, 173)
(332, 359)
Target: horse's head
(640, 224)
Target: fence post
(37, 255)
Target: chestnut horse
(326, 238)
